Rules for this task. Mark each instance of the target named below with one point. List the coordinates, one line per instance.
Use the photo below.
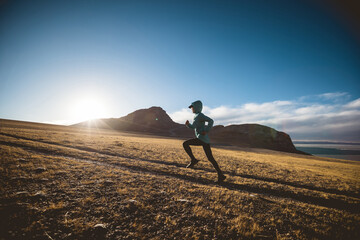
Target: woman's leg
(187, 148)
(211, 158)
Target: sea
(345, 151)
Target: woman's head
(196, 106)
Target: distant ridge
(156, 121)
(253, 135)
(325, 142)
(153, 120)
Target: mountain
(153, 120)
(253, 135)
(156, 121)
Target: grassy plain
(67, 183)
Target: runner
(202, 138)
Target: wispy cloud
(328, 116)
(334, 95)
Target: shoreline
(339, 151)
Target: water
(339, 151)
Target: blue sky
(65, 61)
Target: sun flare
(88, 108)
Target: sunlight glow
(88, 108)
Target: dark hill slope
(253, 135)
(153, 120)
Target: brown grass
(138, 187)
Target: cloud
(320, 117)
(182, 115)
(335, 95)
(353, 104)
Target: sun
(88, 108)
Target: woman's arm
(189, 125)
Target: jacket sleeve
(190, 126)
(210, 123)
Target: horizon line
(295, 141)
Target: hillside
(156, 121)
(77, 183)
(153, 120)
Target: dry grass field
(67, 183)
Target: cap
(191, 106)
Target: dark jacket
(199, 122)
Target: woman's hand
(187, 122)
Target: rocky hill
(153, 120)
(253, 135)
(156, 121)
